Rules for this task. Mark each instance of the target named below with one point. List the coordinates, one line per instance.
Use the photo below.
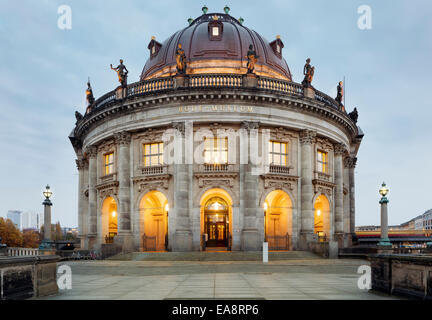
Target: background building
(216, 146)
(15, 217)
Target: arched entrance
(216, 219)
(322, 218)
(278, 220)
(109, 220)
(154, 221)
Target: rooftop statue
(308, 72)
(78, 116)
(122, 73)
(181, 60)
(89, 94)
(353, 115)
(252, 59)
(340, 93)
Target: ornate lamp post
(384, 241)
(47, 242)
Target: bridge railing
(22, 252)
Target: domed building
(216, 147)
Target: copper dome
(220, 51)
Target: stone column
(384, 241)
(124, 236)
(183, 234)
(251, 239)
(47, 220)
(92, 197)
(350, 164)
(82, 166)
(339, 151)
(307, 138)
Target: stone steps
(214, 256)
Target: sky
(387, 68)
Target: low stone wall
(26, 277)
(328, 249)
(407, 275)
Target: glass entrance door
(217, 230)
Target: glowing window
(278, 153)
(216, 150)
(215, 31)
(153, 154)
(109, 163)
(322, 161)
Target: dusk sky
(44, 72)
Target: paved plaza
(313, 278)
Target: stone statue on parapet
(252, 59)
(353, 115)
(122, 73)
(340, 93)
(89, 93)
(308, 72)
(78, 116)
(181, 60)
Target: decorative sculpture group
(89, 94)
(252, 59)
(181, 60)
(353, 115)
(122, 73)
(308, 72)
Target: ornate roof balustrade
(150, 86)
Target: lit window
(216, 150)
(322, 161)
(153, 154)
(109, 163)
(215, 31)
(278, 153)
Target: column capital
(91, 151)
(179, 126)
(250, 125)
(339, 149)
(123, 137)
(307, 136)
(81, 163)
(350, 162)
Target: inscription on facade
(217, 108)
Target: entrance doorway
(216, 222)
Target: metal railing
(278, 242)
(149, 243)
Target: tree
(58, 233)
(30, 239)
(10, 234)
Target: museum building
(216, 147)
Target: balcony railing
(209, 81)
(280, 169)
(154, 170)
(215, 167)
(322, 176)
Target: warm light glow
(167, 207)
(318, 213)
(265, 206)
(114, 214)
(47, 193)
(383, 190)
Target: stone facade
(125, 126)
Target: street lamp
(384, 241)
(47, 242)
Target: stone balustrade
(22, 252)
(154, 170)
(210, 81)
(280, 169)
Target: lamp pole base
(384, 242)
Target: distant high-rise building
(15, 217)
(29, 220)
